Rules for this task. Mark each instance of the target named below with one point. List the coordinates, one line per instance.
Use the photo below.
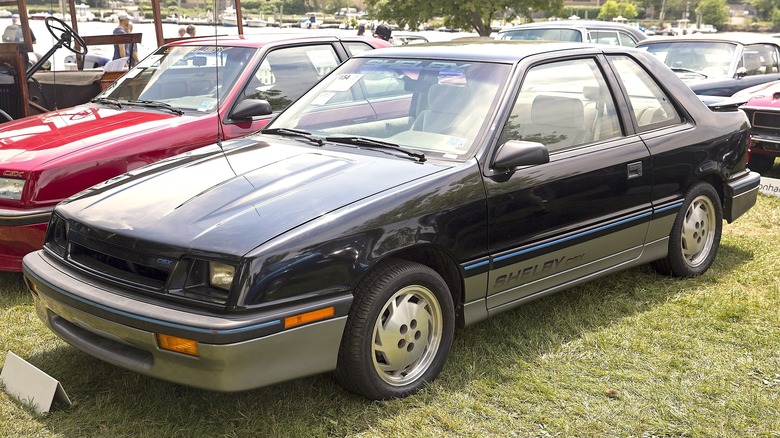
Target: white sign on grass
(31, 385)
(770, 186)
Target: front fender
(331, 254)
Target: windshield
(696, 59)
(434, 107)
(185, 77)
(571, 35)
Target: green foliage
(612, 9)
(299, 7)
(765, 8)
(713, 12)
(775, 17)
(470, 15)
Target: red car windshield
(194, 78)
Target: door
(586, 210)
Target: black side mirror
(249, 108)
(515, 153)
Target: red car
(763, 110)
(187, 94)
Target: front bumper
(21, 232)
(740, 195)
(124, 335)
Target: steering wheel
(67, 36)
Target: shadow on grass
(109, 401)
(13, 292)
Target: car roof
(730, 37)
(581, 24)
(259, 40)
(485, 50)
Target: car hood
(232, 202)
(34, 140)
(764, 96)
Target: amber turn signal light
(178, 345)
(304, 318)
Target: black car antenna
(218, 58)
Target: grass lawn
(632, 354)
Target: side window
(650, 105)
(564, 104)
(760, 59)
(285, 74)
(626, 40)
(357, 47)
(608, 37)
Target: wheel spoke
(697, 227)
(406, 335)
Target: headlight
(221, 275)
(11, 188)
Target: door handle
(635, 170)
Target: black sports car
(719, 65)
(412, 191)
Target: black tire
(761, 163)
(695, 236)
(409, 307)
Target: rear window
(568, 35)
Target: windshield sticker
(207, 105)
(344, 82)
(323, 98)
(456, 142)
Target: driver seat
(444, 105)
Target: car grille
(127, 266)
(119, 260)
(762, 119)
(124, 267)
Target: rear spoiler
(720, 104)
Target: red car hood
(29, 142)
(764, 96)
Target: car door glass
(285, 74)
(357, 47)
(608, 37)
(760, 59)
(563, 104)
(626, 40)
(650, 105)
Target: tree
(609, 10)
(612, 9)
(713, 12)
(468, 14)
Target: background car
(763, 110)
(716, 66)
(405, 38)
(412, 191)
(581, 31)
(187, 94)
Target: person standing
(131, 49)
(120, 50)
(384, 32)
(13, 34)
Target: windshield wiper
(294, 133)
(362, 141)
(687, 70)
(156, 104)
(107, 101)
